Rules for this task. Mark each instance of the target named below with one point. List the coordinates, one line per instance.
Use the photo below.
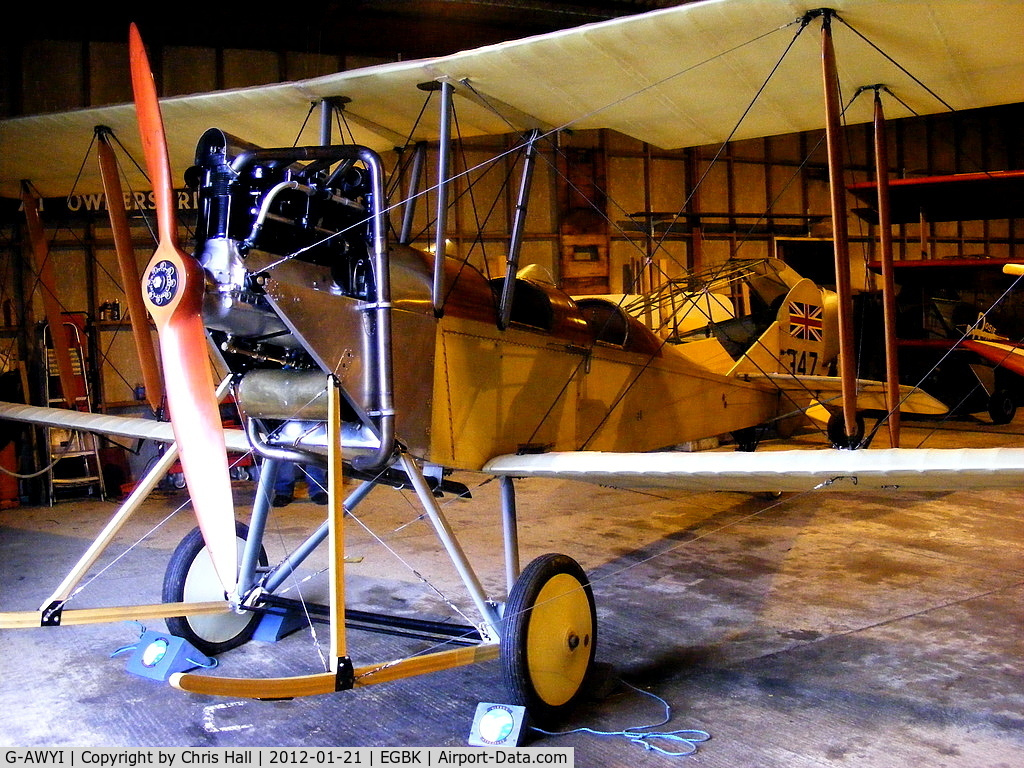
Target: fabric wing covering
(677, 77)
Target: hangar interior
(794, 630)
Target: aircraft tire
(549, 637)
(747, 439)
(1002, 407)
(836, 429)
(190, 577)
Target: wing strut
(174, 285)
(841, 245)
(892, 376)
(518, 227)
(443, 158)
(114, 194)
(412, 193)
(70, 387)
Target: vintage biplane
(344, 345)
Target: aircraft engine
(267, 213)
(291, 242)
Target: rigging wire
(893, 61)
(803, 25)
(685, 204)
(580, 365)
(966, 334)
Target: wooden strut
(132, 283)
(325, 682)
(341, 676)
(336, 533)
(79, 616)
(124, 512)
(892, 375)
(70, 388)
(840, 233)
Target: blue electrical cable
(641, 736)
(126, 648)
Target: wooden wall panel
(749, 185)
(543, 253)
(299, 66)
(188, 70)
(243, 68)
(53, 77)
(484, 204)
(118, 364)
(542, 214)
(668, 183)
(625, 188)
(109, 78)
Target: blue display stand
(278, 623)
(159, 655)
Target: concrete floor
(816, 630)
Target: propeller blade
(173, 288)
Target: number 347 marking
(801, 362)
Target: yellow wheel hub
(559, 640)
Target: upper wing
(681, 76)
(865, 470)
(119, 426)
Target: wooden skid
(421, 665)
(31, 619)
(256, 688)
(326, 682)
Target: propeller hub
(162, 283)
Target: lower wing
(789, 470)
(103, 424)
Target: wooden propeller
(173, 287)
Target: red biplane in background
(389, 364)
(957, 318)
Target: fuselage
(563, 375)
(302, 283)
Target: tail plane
(799, 353)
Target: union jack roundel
(805, 321)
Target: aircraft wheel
(1002, 407)
(746, 439)
(549, 637)
(836, 430)
(190, 577)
